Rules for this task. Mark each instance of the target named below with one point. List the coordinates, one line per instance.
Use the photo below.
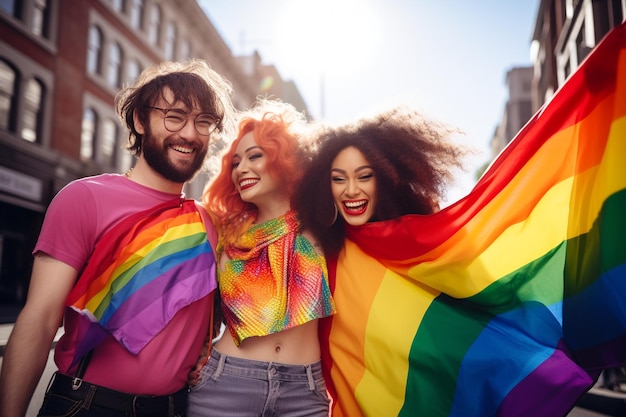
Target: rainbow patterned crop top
(274, 280)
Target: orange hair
(273, 124)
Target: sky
(350, 58)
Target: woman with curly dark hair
(376, 169)
(407, 159)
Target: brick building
(61, 64)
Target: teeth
(355, 204)
(182, 149)
(245, 183)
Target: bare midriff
(296, 346)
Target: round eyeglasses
(175, 119)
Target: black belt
(145, 405)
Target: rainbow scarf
(273, 281)
(141, 273)
(511, 301)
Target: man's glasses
(175, 119)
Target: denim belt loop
(220, 367)
(171, 406)
(89, 397)
(309, 377)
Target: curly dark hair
(412, 160)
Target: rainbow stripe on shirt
(142, 272)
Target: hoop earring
(336, 214)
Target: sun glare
(327, 35)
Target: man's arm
(29, 345)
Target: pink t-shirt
(77, 217)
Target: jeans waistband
(163, 405)
(264, 370)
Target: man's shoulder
(99, 179)
(94, 181)
(96, 185)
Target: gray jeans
(238, 387)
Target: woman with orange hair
(273, 279)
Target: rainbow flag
(511, 301)
(142, 272)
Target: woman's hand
(193, 377)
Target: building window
(8, 80)
(136, 14)
(154, 28)
(12, 7)
(170, 41)
(581, 43)
(185, 50)
(41, 19)
(133, 71)
(118, 5)
(567, 69)
(94, 51)
(88, 134)
(108, 143)
(115, 65)
(606, 15)
(33, 110)
(525, 111)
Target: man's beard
(156, 155)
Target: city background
(63, 61)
